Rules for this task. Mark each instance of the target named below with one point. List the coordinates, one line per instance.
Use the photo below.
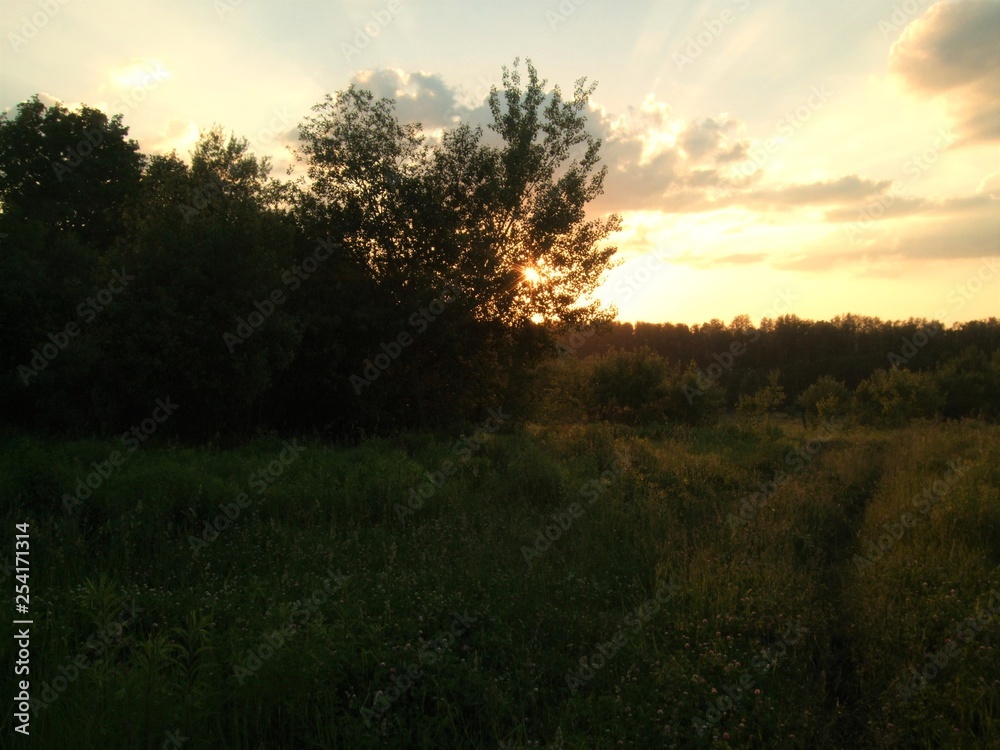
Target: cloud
(900, 243)
(50, 101)
(903, 206)
(664, 164)
(420, 97)
(740, 258)
(659, 161)
(847, 188)
(952, 49)
(706, 137)
(990, 184)
(179, 134)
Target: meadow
(536, 585)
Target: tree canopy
(402, 280)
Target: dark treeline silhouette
(957, 365)
(400, 282)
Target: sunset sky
(767, 157)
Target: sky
(767, 157)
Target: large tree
(72, 170)
(506, 211)
(498, 219)
(66, 178)
(205, 320)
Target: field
(582, 586)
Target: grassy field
(587, 586)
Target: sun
(531, 275)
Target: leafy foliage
(825, 399)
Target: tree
(892, 397)
(628, 386)
(71, 171)
(66, 178)
(205, 321)
(694, 399)
(826, 398)
(765, 400)
(498, 223)
(970, 384)
(543, 257)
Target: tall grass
(289, 626)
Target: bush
(763, 401)
(692, 398)
(628, 386)
(970, 385)
(825, 398)
(641, 387)
(561, 392)
(892, 397)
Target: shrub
(628, 386)
(970, 385)
(763, 401)
(892, 397)
(825, 398)
(692, 398)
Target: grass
(324, 611)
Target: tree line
(400, 281)
(881, 372)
